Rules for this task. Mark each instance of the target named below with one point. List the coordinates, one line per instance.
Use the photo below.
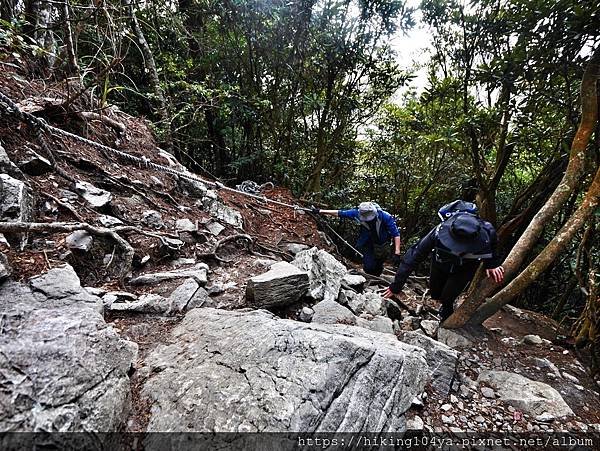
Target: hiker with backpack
(459, 244)
(377, 229)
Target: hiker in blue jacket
(459, 245)
(377, 230)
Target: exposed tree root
(214, 253)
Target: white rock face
(230, 371)
(325, 273)
(532, 397)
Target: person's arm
(492, 266)
(397, 244)
(351, 214)
(415, 255)
(329, 212)
(390, 224)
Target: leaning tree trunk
(569, 182)
(546, 257)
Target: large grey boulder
(63, 368)
(96, 197)
(532, 397)
(283, 284)
(324, 271)
(251, 371)
(441, 359)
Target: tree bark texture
(568, 184)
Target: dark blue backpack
(458, 206)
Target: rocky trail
(232, 314)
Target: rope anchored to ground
(248, 188)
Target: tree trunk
(38, 17)
(148, 62)
(569, 182)
(486, 197)
(72, 65)
(545, 258)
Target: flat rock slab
(199, 273)
(251, 371)
(532, 397)
(63, 368)
(283, 284)
(324, 271)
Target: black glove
(315, 210)
(396, 259)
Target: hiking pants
(371, 265)
(446, 282)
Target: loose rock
(330, 312)
(530, 396)
(532, 340)
(283, 284)
(96, 197)
(306, 314)
(80, 240)
(153, 218)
